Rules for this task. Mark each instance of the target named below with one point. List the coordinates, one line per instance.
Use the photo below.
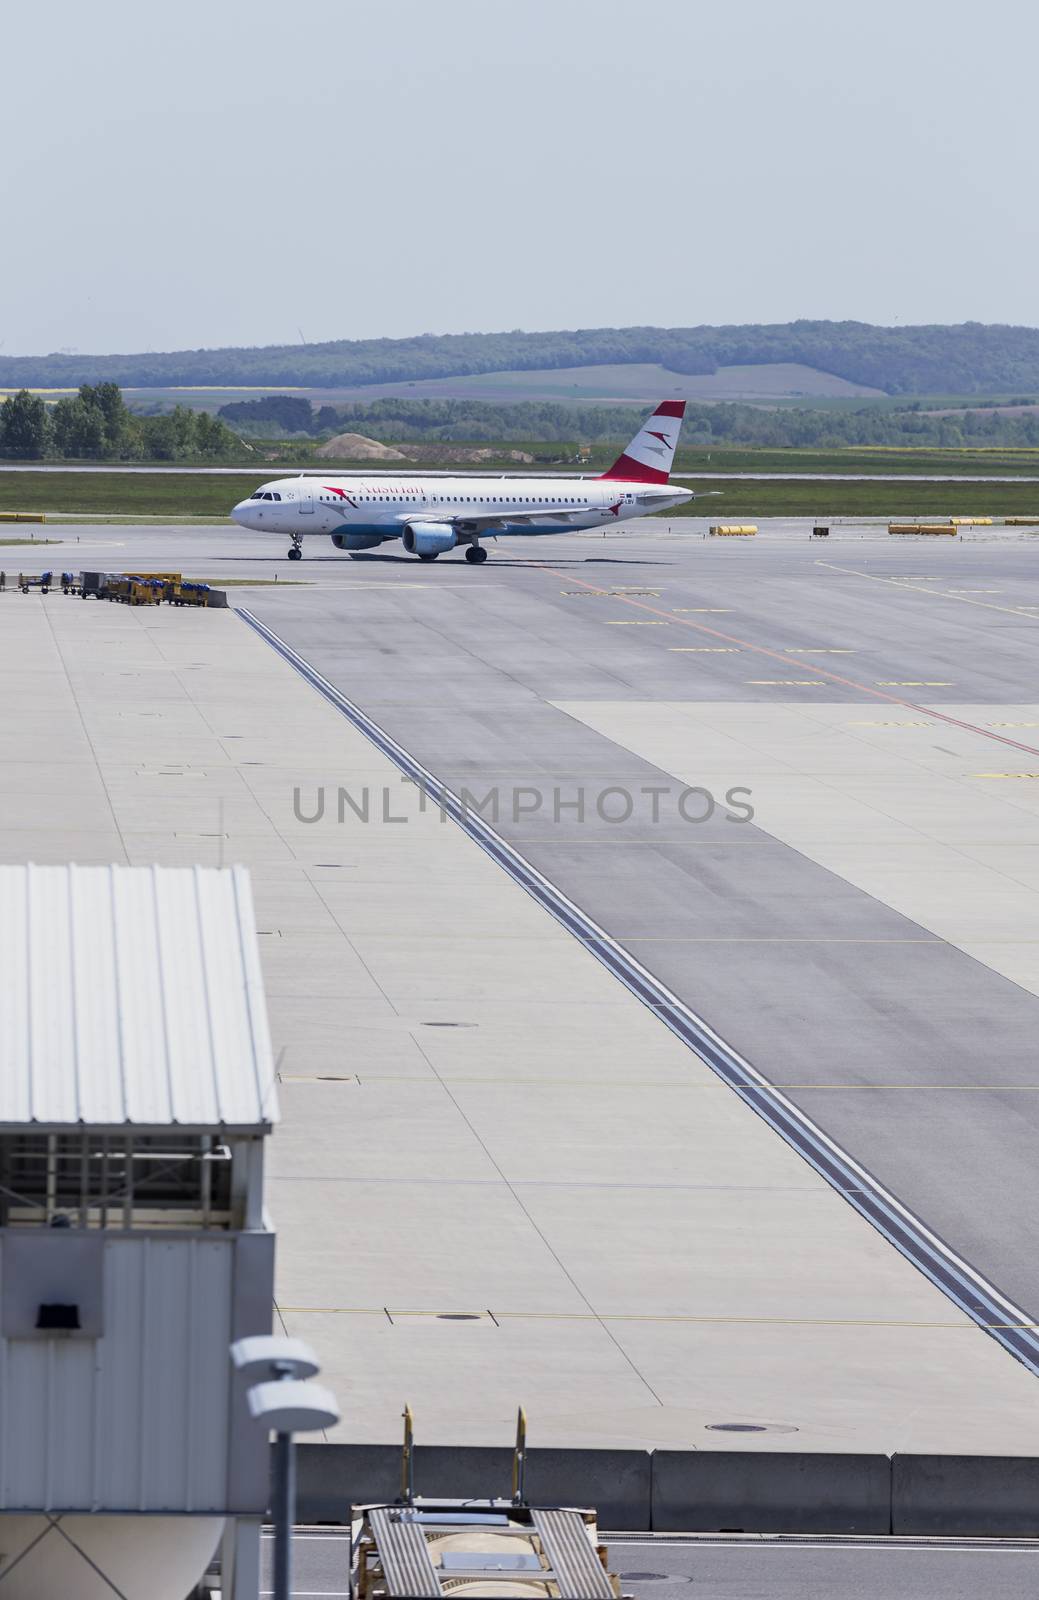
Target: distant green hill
(972, 358)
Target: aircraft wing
(500, 519)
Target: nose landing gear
(476, 553)
(296, 548)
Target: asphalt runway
(869, 1022)
(831, 1569)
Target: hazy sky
(232, 171)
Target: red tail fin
(649, 456)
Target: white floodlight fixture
(268, 1355)
(286, 1402)
(288, 1405)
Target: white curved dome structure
(87, 1557)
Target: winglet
(649, 456)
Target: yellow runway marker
(865, 724)
(951, 594)
(789, 683)
(912, 683)
(703, 650)
(829, 677)
(1005, 774)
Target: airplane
(431, 515)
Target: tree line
(97, 425)
(970, 358)
(396, 421)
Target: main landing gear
(296, 548)
(476, 553)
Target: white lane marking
(766, 1542)
(312, 1538)
(751, 1541)
(405, 583)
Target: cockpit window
(257, 495)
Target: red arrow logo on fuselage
(341, 493)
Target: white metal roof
(132, 995)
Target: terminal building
(136, 1091)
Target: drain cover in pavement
(749, 1427)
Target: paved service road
(853, 477)
(376, 469)
(751, 1569)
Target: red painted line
(787, 661)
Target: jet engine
(428, 538)
(356, 541)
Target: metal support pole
(284, 1507)
(519, 1461)
(407, 1465)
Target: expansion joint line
(968, 1290)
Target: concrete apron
(500, 1180)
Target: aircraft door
(306, 497)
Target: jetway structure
(136, 1091)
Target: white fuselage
(372, 509)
